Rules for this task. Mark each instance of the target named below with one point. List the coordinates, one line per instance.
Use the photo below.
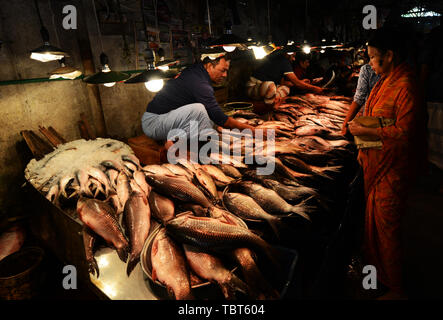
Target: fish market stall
(230, 229)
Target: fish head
(81, 202)
(150, 179)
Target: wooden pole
(83, 38)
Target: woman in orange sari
(388, 172)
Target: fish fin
(132, 263)
(123, 253)
(299, 212)
(302, 208)
(184, 213)
(333, 169)
(75, 193)
(93, 267)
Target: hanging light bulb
(152, 78)
(106, 76)
(154, 85)
(229, 48)
(46, 52)
(259, 52)
(106, 69)
(65, 72)
(229, 42)
(163, 68)
(262, 51)
(165, 65)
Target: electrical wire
(269, 21)
(209, 18)
(98, 25)
(142, 4)
(155, 3)
(38, 13)
(53, 24)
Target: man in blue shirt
(189, 97)
(366, 81)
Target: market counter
(114, 282)
(61, 232)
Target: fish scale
(178, 188)
(209, 233)
(99, 217)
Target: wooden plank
(52, 140)
(31, 145)
(87, 126)
(42, 145)
(58, 135)
(83, 131)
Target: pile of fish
(186, 198)
(96, 168)
(205, 210)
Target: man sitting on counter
(190, 97)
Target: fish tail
(333, 169)
(182, 294)
(93, 267)
(123, 253)
(233, 284)
(301, 209)
(133, 260)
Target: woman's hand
(344, 128)
(356, 129)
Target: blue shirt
(193, 85)
(366, 81)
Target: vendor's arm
(301, 84)
(231, 123)
(215, 113)
(205, 96)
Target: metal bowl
(205, 290)
(238, 105)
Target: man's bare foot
(164, 151)
(168, 144)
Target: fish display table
(300, 206)
(61, 232)
(114, 282)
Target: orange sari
(388, 172)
